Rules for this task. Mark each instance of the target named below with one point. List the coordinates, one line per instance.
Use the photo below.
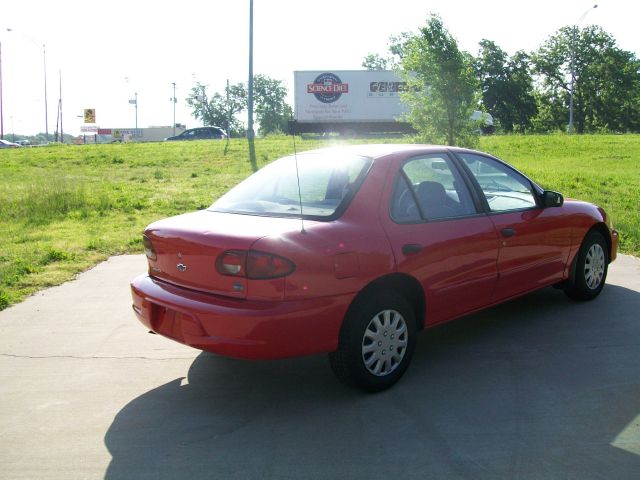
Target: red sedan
(354, 250)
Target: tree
(218, 108)
(442, 88)
(272, 111)
(397, 43)
(607, 81)
(521, 92)
(507, 86)
(374, 61)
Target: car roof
(382, 150)
(208, 127)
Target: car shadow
(540, 387)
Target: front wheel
(590, 270)
(376, 342)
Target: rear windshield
(328, 181)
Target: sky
(105, 52)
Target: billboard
(89, 115)
(348, 96)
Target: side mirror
(552, 199)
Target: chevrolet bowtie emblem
(182, 267)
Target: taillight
(261, 265)
(232, 262)
(149, 251)
(253, 265)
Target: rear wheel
(376, 342)
(590, 271)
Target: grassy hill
(64, 208)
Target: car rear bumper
(252, 329)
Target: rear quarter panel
(341, 256)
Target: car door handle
(411, 248)
(508, 232)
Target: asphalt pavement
(539, 388)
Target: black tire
(376, 342)
(590, 269)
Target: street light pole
(44, 61)
(570, 128)
(60, 107)
(46, 114)
(204, 98)
(250, 133)
(133, 102)
(174, 108)
(1, 110)
(228, 114)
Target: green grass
(65, 208)
(603, 169)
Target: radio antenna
(295, 158)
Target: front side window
(504, 189)
(430, 188)
(327, 182)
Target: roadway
(541, 387)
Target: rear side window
(327, 183)
(430, 188)
(209, 133)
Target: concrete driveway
(541, 387)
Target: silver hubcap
(385, 342)
(594, 266)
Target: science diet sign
(347, 96)
(327, 88)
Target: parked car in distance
(8, 144)
(354, 250)
(200, 133)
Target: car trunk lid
(187, 247)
